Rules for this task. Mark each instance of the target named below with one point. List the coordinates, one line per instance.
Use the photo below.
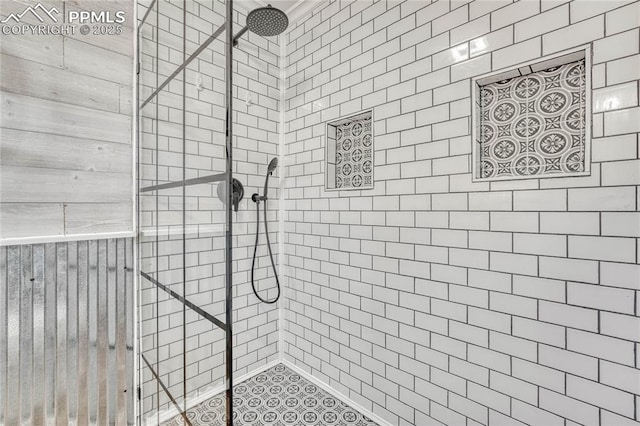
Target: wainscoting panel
(66, 333)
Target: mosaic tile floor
(277, 397)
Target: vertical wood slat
(130, 323)
(83, 332)
(50, 333)
(66, 333)
(111, 327)
(38, 408)
(26, 333)
(101, 327)
(3, 330)
(72, 332)
(92, 304)
(12, 323)
(120, 339)
(61, 333)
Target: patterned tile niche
(533, 125)
(350, 153)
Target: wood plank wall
(66, 117)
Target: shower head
(267, 21)
(270, 168)
(272, 165)
(264, 21)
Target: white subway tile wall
(434, 299)
(256, 78)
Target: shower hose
(256, 198)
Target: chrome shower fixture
(264, 21)
(237, 194)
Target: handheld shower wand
(257, 198)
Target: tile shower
(453, 213)
(440, 296)
(482, 268)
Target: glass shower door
(184, 216)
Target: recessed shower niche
(349, 153)
(533, 121)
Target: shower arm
(240, 34)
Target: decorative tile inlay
(533, 125)
(279, 396)
(350, 158)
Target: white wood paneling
(32, 185)
(40, 115)
(87, 59)
(44, 219)
(82, 218)
(18, 76)
(66, 114)
(33, 149)
(43, 50)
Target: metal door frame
(226, 176)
